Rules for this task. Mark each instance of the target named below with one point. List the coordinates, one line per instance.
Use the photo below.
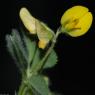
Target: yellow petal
(28, 20)
(76, 21)
(74, 12)
(42, 44)
(84, 25)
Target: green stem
(42, 62)
(21, 89)
(25, 89)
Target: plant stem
(42, 62)
(21, 89)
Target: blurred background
(74, 74)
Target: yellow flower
(76, 21)
(34, 26)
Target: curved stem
(42, 62)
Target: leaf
(39, 85)
(19, 42)
(49, 63)
(36, 59)
(25, 51)
(30, 46)
(12, 48)
(51, 60)
(20, 48)
(46, 80)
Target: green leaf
(49, 63)
(31, 47)
(25, 51)
(19, 42)
(22, 49)
(39, 85)
(10, 47)
(46, 80)
(14, 51)
(36, 59)
(51, 60)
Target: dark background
(74, 74)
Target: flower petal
(76, 21)
(84, 25)
(74, 12)
(28, 20)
